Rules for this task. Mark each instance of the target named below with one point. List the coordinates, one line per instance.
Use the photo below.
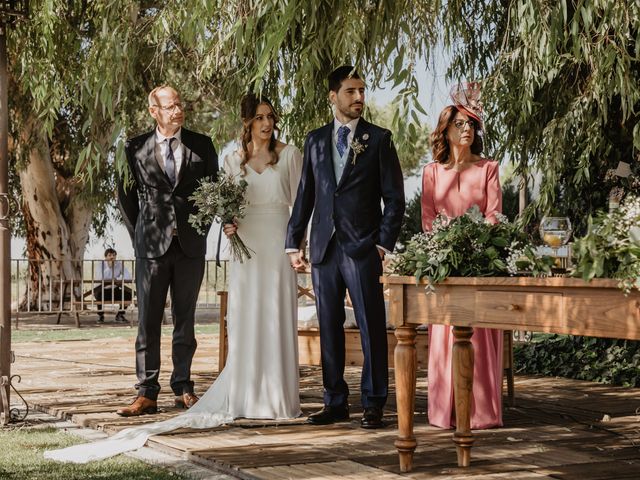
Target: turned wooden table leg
(406, 361)
(462, 391)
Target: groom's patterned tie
(170, 162)
(341, 144)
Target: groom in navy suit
(350, 166)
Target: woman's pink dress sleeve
(427, 198)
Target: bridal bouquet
(224, 201)
(468, 246)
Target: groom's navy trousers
(360, 276)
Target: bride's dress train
(135, 438)
(260, 379)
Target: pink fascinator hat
(466, 97)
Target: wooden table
(554, 305)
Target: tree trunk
(57, 227)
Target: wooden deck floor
(559, 429)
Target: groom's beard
(353, 113)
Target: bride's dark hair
(248, 108)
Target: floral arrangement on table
(611, 246)
(470, 246)
(223, 201)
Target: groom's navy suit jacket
(350, 207)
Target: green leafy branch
(611, 246)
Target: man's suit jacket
(352, 206)
(151, 206)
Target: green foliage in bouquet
(611, 247)
(468, 246)
(224, 201)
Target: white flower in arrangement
(475, 214)
(517, 261)
(440, 222)
(631, 210)
(501, 218)
(631, 219)
(634, 235)
(358, 147)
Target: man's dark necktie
(170, 162)
(341, 144)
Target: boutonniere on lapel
(358, 147)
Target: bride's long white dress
(260, 379)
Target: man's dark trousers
(182, 276)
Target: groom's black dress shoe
(329, 415)
(372, 418)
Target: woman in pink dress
(458, 179)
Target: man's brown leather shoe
(141, 406)
(186, 400)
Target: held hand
(230, 229)
(298, 262)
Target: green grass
(22, 459)
(75, 334)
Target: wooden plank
(327, 470)
(255, 456)
(594, 471)
(269, 473)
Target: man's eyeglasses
(459, 124)
(171, 108)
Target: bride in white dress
(260, 379)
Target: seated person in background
(111, 273)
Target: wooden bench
(309, 345)
(80, 303)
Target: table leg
(406, 361)
(462, 391)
